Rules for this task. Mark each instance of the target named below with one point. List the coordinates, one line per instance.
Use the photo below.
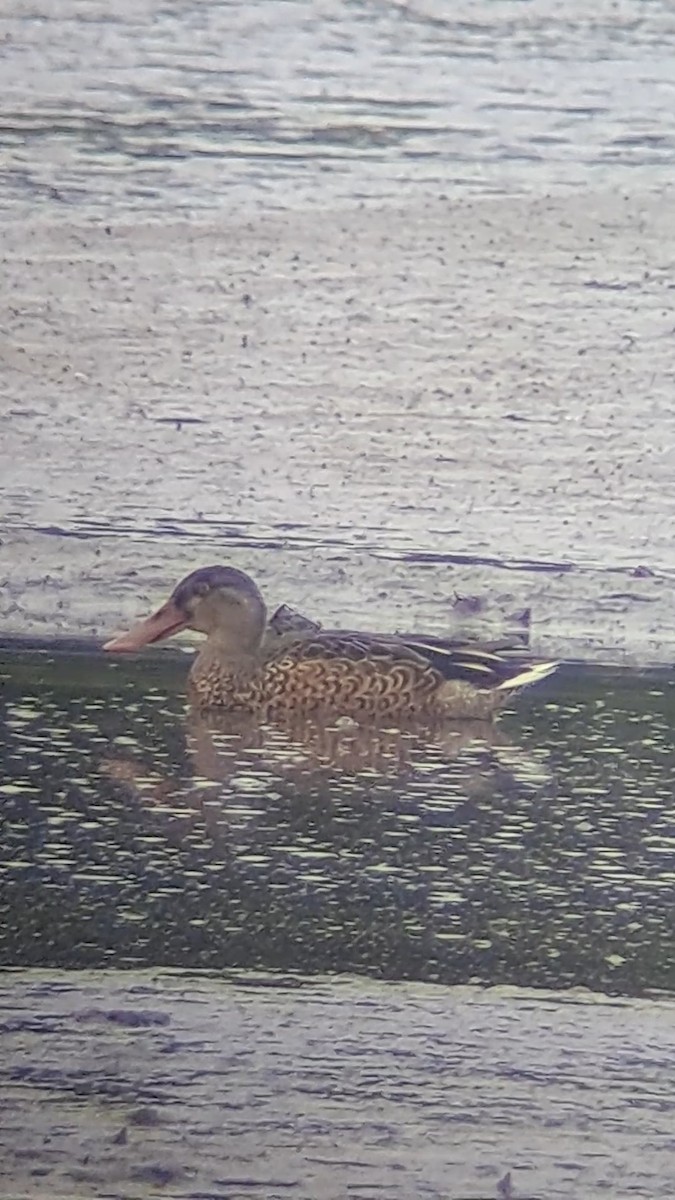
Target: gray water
(282, 104)
(372, 300)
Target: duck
(293, 665)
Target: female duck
(341, 672)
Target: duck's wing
(415, 660)
(492, 667)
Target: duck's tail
(531, 673)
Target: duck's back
(350, 674)
(359, 674)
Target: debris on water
(134, 1019)
(156, 1174)
(179, 419)
(505, 1187)
(468, 604)
(522, 617)
(145, 1117)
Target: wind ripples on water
(196, 105)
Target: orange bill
(162, 624)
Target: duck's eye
(201, 589)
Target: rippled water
(539, 852)
(203, 104)
(351, 285)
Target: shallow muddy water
(534, 852)
(128, 1084)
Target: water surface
(536, 852)
(372, 300)
(271, 105)
(327, 289)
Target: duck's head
(221, 602)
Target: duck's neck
(231, 653)
(239, 642)
(220, 655)
(222, 672)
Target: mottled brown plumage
(293, 665)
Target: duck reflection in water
(226, 748)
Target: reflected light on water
(535, 851)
